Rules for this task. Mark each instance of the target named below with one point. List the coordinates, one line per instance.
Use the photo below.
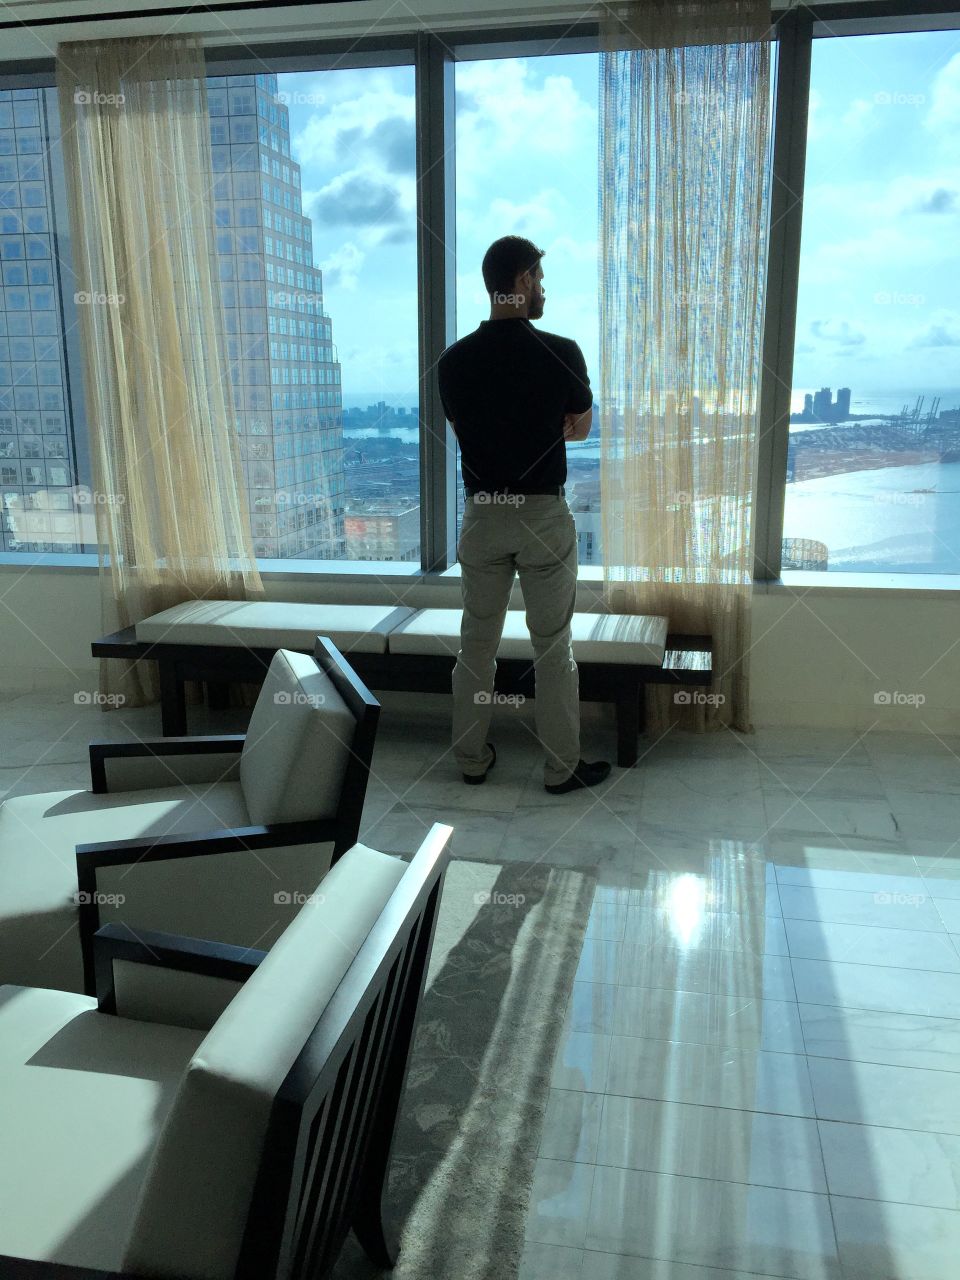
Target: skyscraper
(282, 363)
(286, 378)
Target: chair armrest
(118, 853)
(147, 760)
(165, 951)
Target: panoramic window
(315, 213)
(873, 472)
(524, 128)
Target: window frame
(433, 55)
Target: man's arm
(578, 418)
(576, 426)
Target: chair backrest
(197, 1194)
(298, 743)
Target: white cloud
(944, 114)
(838, 332)
(502, 114)
(341, 269)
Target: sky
(878, 303)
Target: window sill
(912, 585)
(863, 585)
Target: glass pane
(527, 139)
(321, 258)
(873, 471)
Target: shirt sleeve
(444, 389)
(581, 397)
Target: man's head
(513, 277)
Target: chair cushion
(297, 744)
(597, 637)
(83, 1096)
(232, 897)
(38, 870)
(203, 1171)
(268, 624)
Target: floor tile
(571, 1126)
(710, 1075)
(560, 1203)
(896, 1097)
(740, 973)
(869, 986)
(882, 1241)
(550, 1262)
(894, 1039)
(870, 944)
(693, 1017)
(620, 1266)
(581, 1061)
(711, 1142)
(719, 1224)
(845, 906)
(904, 1165)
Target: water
(881, 520)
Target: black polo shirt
(506, 387)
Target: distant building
(383, 530)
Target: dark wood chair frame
(342, 829)
(687, 661)
(327, 1152)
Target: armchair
(207, 837)
(242, 1142)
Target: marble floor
(759, 1067)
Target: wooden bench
(403, 649)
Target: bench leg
(629, 723)
(173, 703)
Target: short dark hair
(507, 258)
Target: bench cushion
(83, 1097)
(297, 743)
(203, 1172)
(597, 637)
(267, 624)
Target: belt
(554, 491)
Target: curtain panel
(683, 187)
(172, 520)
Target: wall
(820, 654)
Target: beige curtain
(170, 498)
(684, 164)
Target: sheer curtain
(170, 499)
(684, 164)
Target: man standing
(514, 394)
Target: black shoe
(584, 775)
(474, 779)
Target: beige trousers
(535, 537)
